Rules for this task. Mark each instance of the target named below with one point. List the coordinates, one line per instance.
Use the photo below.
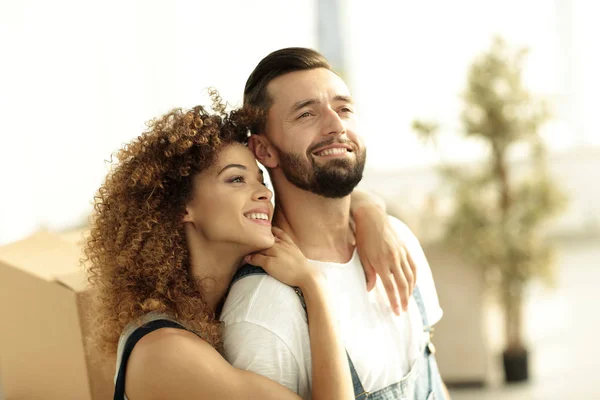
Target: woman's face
(230, 202)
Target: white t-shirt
(266, 329)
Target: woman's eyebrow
(240, 166)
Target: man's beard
(335, 178)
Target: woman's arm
(177, 364)
(381, 251)
(331, 377)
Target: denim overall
(423, 381)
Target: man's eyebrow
(240, 166)
(303, 103)
(344, 98)
(308, 102)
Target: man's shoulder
(261, 300)
(425, 280)
(403, 231)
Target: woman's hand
(285, 262)
(382, 252)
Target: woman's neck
(213, 266)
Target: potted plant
(500, 208)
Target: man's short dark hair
(279, 63)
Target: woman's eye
(237, 179)
(346, 109)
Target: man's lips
(333, 149)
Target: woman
(173, 222)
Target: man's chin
(344, 159)
(337, 173)
(337, 185)
(339, 166)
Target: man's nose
(334, 124)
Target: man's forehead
(301, 85)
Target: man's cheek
(359, 140)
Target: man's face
(312, 125)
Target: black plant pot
(516, 365)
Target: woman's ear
(189, 215)
(264, 152)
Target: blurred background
(79, 78)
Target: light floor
(564, 327)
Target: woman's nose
(263, 194)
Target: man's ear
(264, 152)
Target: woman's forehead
(235, 154)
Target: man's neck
(319, 226)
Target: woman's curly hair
(137, 253)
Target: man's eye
(304, 115)
(347, 109)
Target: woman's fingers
(370, 276)
(413, 268)
(408, 274)
(281, 235)
(258, 260)
(402, 285)
(390, 288)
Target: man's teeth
(257, 216)
(336, 150)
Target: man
(315, 158)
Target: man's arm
(359, 198)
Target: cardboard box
(463, 355)
(43, 300)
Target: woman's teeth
(257, 216)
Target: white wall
(410, 59)
(79, 78)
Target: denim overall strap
(359, 391)
(422, 380)
(426, 328)
(129, 344)
(435, 380)
(419, 300)
(247, 270)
